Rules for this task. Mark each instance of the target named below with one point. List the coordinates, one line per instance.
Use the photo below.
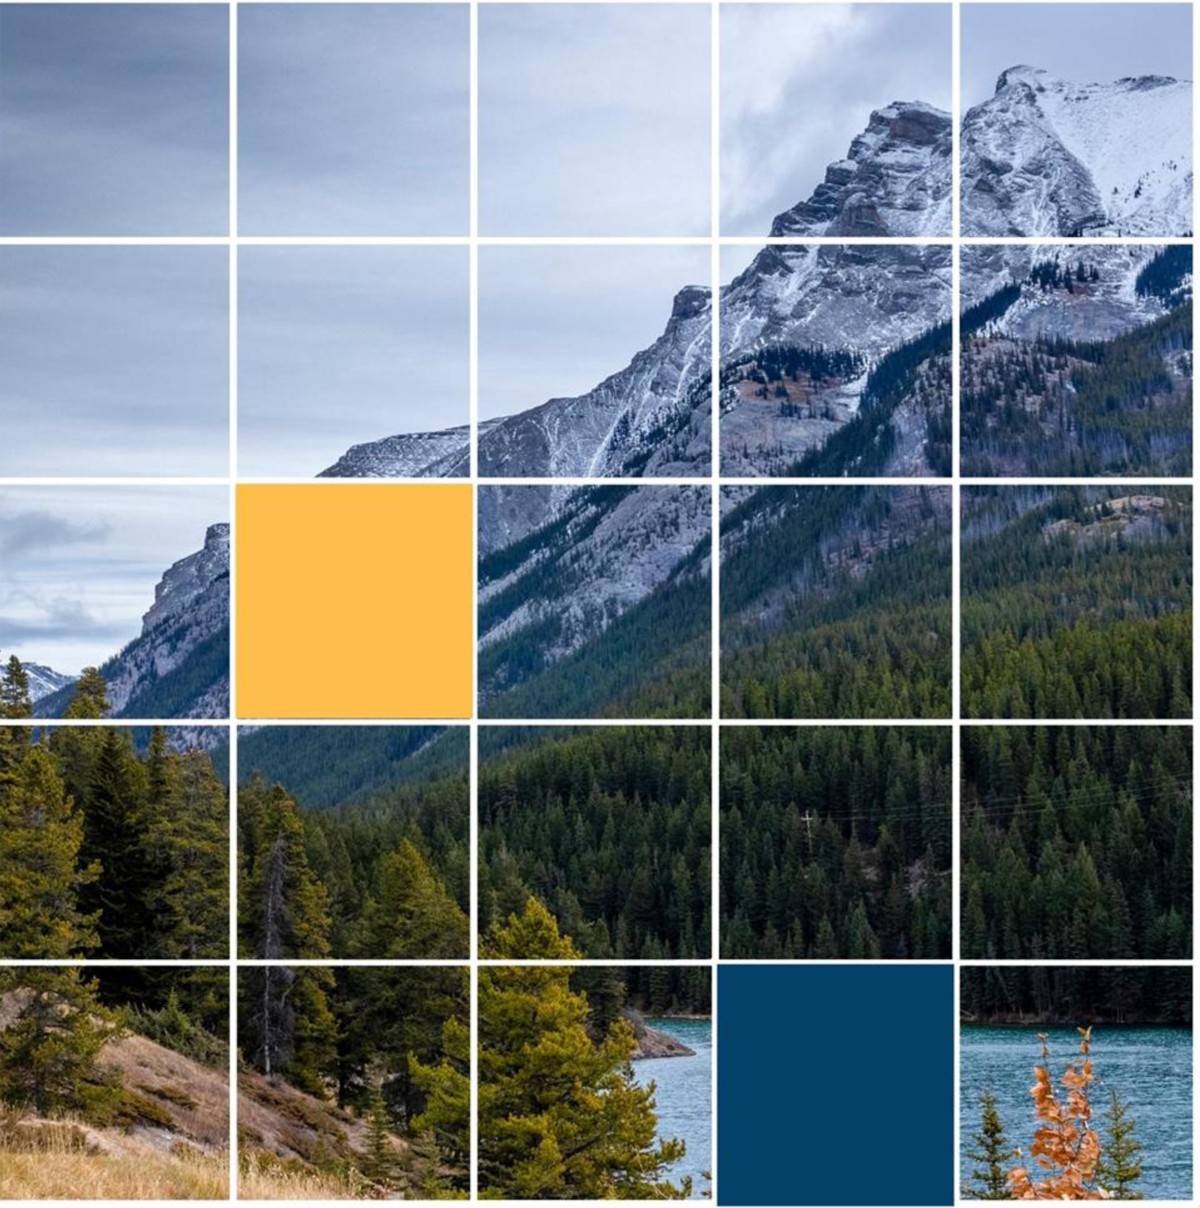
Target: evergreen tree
(560, 1116)
(447, 1090)
(40, 875)
(1120, 1166)
(49, 1049)
(991, 1152)
(415, 917)
(381, 1162)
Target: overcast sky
(340, 345)
(556, 321)
(78, 565)
(353, 119)
(1084, 43)
(798, 84)
(114, 361)
(114, 119)
(595, 119)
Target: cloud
(41, 530)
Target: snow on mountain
(44, 680)
(444, 454)
(895, 180)
(1045, 156)
(1099, 309)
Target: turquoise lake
(1151, 1068)
(684, 1095)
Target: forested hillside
(1076, 398)
(335, 765)
(1068, 996)
(366, 1088)
(1076, 602)
(105, 851)
(835, 602)
(610, 828)
(384, 877)
(1076, 843)
(835, 843)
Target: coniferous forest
(356, 1082)
(113, 843)
(1076, 602)
(610, 828)
(1076, 843)
(383, 874)
(835, 602)
(835, 843)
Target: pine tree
(381, 1163)
(447, 1089)
(115, 839)
(560, 1116)
(89, 699)
(415, 917)
(40, 876)
(991, 1150)
(1120, 1166)
(49, 1049)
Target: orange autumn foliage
(1065, 1146)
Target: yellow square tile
(353, 600)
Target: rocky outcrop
(653, 1043)
(895, 180)
(444, 454)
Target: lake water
(684, 1095)
(1151, 1068)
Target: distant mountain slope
(1077, 362)
(596, 602)
(45, 680)
(1045, 156)
(895, 180)
(179, 665)
(835, 602)
(324, 766)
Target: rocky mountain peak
(895, 180)
(1021, 74)
(189, 578)
(690, 303)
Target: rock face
(654, 1043)
(1045, 156)
(866, 301)
(45, 680)
(895, 180)
(178, 666)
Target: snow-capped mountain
(1045, 156)
(44, 680)
(895, 180)
(178, 666)
(444, 454)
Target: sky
(1084, 43)
(353, 119)
(78, 565)
(799, 83)
(341, 345)
(114, 119)
(114, 361)
(595, 119)
(556, 321)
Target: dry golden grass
(50, 1168)
(264, 1182)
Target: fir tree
(415, 917)
(560, 1116)
(1120, 1166)
(381, 1162)
(991, 1151)
(447, 1090)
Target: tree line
(1076, 843)
(835, 843)
(105, 850)
(610, 828)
